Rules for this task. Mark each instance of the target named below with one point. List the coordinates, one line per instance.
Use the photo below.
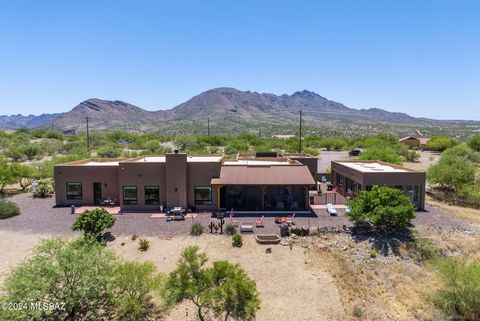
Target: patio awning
(264, 175)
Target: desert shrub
(358, 312)
(143, 245)
(197, 229)
(441, 143)
(77, 273)
(93, 222)
(373, 254)
(109, 152)
(135, 288)
(411, 155)
(311, 151)
(421, 249)
(464, 151)
(224, 290)
(385, 207)
(382, 153)
(474, 143)
(230, 229)
(459, 294)
(8, 209)
(43, 189)
(451, 172)
(237, 240)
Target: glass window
(203, 195)
(130, 195)
(152, 195)
(416, 193)
(74, 191)
(410, 192)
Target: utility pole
(208, 126)
(259, 133)
(300, 142)
(88, 139)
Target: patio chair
(232, 220)
(290, 219)
(259, 223)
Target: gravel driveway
(40, 216)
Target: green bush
(474, 143)
(381, 153)
(459, 294)
(93, 222)
(8, 209)
(197, 229)
(143, 245)
(373, 254)
(451, 172)
(44, 189)
(230, 229)
(385, 207)
(441, 143)
(237, 240)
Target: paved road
(326, 157)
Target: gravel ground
(40, 216)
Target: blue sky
(419, 57)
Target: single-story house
(248, 183)
(351, 176)
(414, 142)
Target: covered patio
(273, 188)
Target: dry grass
(465, 213)
(382, 291)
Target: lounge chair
(331, 210)
(259, 223)
(290, 219)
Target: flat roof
(190, 159)
(254, 162)
(97, 163)
(373, 167)
(264, 175)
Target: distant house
(414, 142)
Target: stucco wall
(87, 175)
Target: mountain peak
(306, 94)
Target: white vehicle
(331, 210)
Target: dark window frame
(74, 197)
(202, 201)
(152, 202)
(130, 202)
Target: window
(410, 192)
(203, 195)
(416, 193)
(74, 191)
(152, 195)
(130, 195)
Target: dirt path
(290, 289)
(16, 246)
